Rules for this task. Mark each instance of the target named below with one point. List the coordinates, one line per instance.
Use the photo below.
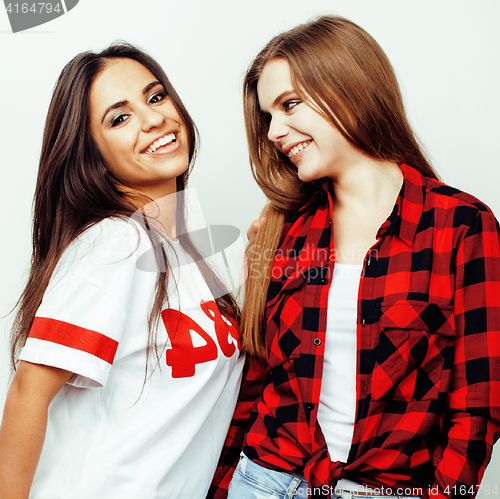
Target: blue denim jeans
(252, 481)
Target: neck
(158, 203)
(162, 212)
(369, 184)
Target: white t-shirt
(111, 434)
(337, 403)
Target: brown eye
(118, 120)
(157, 97)
(289, 104)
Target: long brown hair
(74, 190)
(340, 69)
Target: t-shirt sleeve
(79, 324)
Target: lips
(162, 141)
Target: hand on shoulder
(257, 223)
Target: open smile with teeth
(161, 142)
(298, 148)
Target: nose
(150, 118)
(277, 128)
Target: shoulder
(465, 208)
(312, 213)
(119, 234)
(109, 241)
(114, 228)
(455, 196)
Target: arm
(251, 389)
(472, 421)
(24, 423)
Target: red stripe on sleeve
(75, 337)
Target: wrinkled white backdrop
(445, 52)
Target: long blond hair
(341, 69)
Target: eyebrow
(122, 103)
(279, 98)
(282, 96)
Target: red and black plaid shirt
(428, 348)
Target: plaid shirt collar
(403, 221)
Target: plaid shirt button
(324, 281)
(317, 342)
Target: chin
(307, 176)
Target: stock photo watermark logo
(221, 246)
(26, 15)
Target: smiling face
(313, 145)
(137, 128)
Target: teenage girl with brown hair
(125, 342)
(373, 290)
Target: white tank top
(337, 403)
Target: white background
(446, 54)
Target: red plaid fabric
(251, 389)
(428, 340)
